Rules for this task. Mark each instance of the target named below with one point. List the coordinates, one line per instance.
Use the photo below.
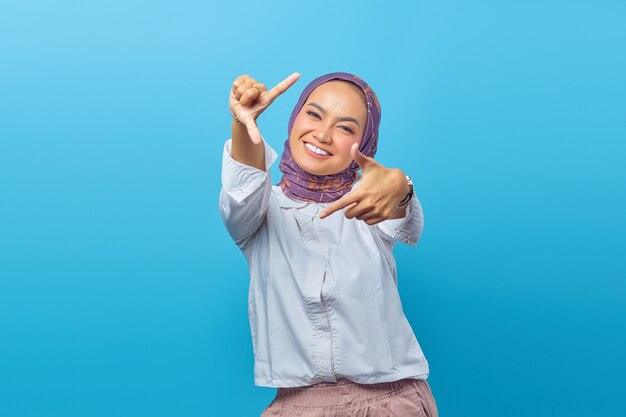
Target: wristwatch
(405, 201)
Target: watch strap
(407, 199)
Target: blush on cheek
(347, 147)
(303, 122)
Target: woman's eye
(347, 129)
(312, 113)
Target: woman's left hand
(377, 197)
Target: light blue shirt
(323, 298)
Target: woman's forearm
(244, 150)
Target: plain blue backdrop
(121, 294)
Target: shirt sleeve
(245, 195)
(407, 229)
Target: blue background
(121, 293)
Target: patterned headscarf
(302, 185)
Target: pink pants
(404, 398)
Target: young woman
(327, 324)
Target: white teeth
(316, 150)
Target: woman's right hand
(248, 99)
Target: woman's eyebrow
(341, 119)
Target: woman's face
(331, 120)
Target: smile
(317, 150)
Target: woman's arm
(244, 150)
(245, 195)
(246, 182)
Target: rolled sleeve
(245, 194)
(240, 180)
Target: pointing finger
(283, 86)
(343, 202)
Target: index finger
(283, 86)
(343, 202)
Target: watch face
(410, 182)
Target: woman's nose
(323, 134)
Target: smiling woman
(331, 121)
(327, 323)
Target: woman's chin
(319, 171)
(310, 168)
(314, 170)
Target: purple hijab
(299, 184)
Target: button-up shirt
(323, 297)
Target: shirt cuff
(240, 180)
(408, 228)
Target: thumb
(360, 158)
(253, 131)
